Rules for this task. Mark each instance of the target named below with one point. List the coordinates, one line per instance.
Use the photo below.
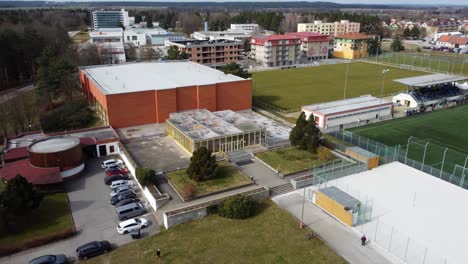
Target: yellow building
(350, 46)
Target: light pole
(301, 225)
(384, 72)
(346, 78)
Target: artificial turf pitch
(446, 128)
(292, 88)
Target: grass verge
(229, 177)
(272, 236)
(51, 218)
(290, 160)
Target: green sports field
(444, 128)
(450, 63)
(293, 88)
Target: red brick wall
(131, 109)
(92, 91)
(186, 98)
(234, 95)
(166, 101)
(207, 97)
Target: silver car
(118, 190)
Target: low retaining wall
(200, 210)
(155, 202)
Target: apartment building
(245, 27)
(210, 52)
(350, 46)
(331, 29)
(314, 46)
(110, 19)
(226, 34)
(276, 50)
(436, 27)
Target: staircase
(281, 189)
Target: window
(134, 37)
(111, 149)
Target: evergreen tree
(174, 54)
(17, 202)
(396, 45)
(235, 69)
(374, 46)
(203, 165)
(305, 135)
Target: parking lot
(93, 215)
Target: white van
(129, 211)
(110, 162)
(120, 183)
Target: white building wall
(358, 116)
(108, 149)
(405, 99)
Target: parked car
(92, 249)
(116, 171)
(127, 226)
(120, 183)
(127, 201)
(130, 210)
(118, 177)
(112, 166)
(49, 259)
(108, 162)
(122, 196)
(119, 190)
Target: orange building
(133, 94)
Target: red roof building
(34, 175)
(276, 50)
(314, 46)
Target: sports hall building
(142, 93)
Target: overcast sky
(431, 2)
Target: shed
(371, 159)
(338, 203)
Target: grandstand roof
(431, 79)
(346, 105)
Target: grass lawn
(290, 160)
(272, 236)
(446, 62)
(53, 216)
(444, 128)
(293, 88)
(229, 177)
(81, 37)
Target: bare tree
(30, 108)
(190, 22)
(289, 23)
(150, 54)
(4, 118)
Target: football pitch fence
(443, 162)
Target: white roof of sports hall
(147, 76)
(430, 79)
(339, 106)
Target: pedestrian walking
(158, 253)
(363, 240)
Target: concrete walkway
(340, 238)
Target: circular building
(64, 152)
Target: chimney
(206, 26)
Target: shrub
(72, 115)
(203, 165)
(189, 190)
(237, 207)
(145, 176)
(324, 154)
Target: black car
(123, 195)
(118, 168)
(109, 179)
(92, 249)
(127, 201)
(49, 259)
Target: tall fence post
(407, 148)
(425, 253)
(424, 155)
(390, 242)
(406, 251)
(443, 161)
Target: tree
(237, 207)
(145, 176)
(174, 54)
(149, 22)
(374, 46)
(235, 69)
(52, 73)
(396, 45)
(72, 115)
(150, 54)
(203, 165)
(406, 32)
(305, 135)
(17, 202)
